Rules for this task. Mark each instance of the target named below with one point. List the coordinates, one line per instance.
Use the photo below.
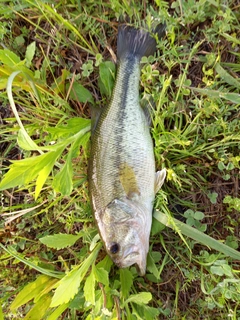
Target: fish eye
(114, 248)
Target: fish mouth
(133, 257)
(141, 267)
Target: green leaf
(50, 285)
(31, 48)
(226, 76)
(233, 97)
(198, 215)
(78, 301)
(190, 221)
(79, 93)
(84, 44)
(23, 171)
(62, 182)
(73, 126)
(145, 312)
(23, 137)
(51, 273)
(9, 58)
(151, 266)
(105, 264)
(101, 275)
(1, 313)
(196, 235)
(82, 141)
(221, 166)
(57, 312)
(221, 268)
(126, 279)
(19, 40)
(140, 298)
(157, 227)
(212, 197)
(89, 288)
(44, 173)
(30, 291)
(3, 81)
(107, 78)
(39, 309)
(217, 270)
(227, 271)
(60, 241)
(68, 285)
(150, 313)
(232, 242)
(25, 142)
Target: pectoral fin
(128, 180)
(159, 179)
(95, 114)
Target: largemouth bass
(122, 177)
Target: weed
(57, 62)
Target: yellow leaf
(39, 309)
(30, 291)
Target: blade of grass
(49, 273)
(19, 213)
(226, 76)
(32, 145)
(197, 235)
(233, 97)
(46, 10)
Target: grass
(56, 60)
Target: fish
(122, 176)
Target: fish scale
(122, 136)
(122, 177)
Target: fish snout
(131, 257)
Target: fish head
(125, 230)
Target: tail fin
(137, 42)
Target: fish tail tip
(137, 42)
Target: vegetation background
(57, 58)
